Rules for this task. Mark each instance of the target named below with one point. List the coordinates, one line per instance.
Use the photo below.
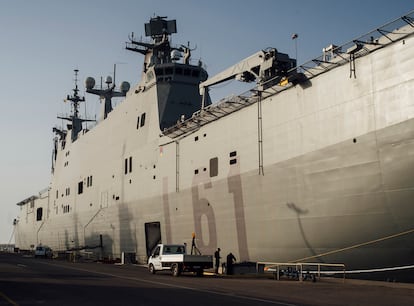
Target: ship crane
(263, 66)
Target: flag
(294, 36)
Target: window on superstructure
(159, 71)
(142, 119)
(196, 73)
(80, 187)
(168, 70)
(66, 209)
(233, 160)
(138, 123)
(39, 214)
(89, 181)
(130, 164)
(57, 194)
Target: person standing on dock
(217, 257)
(229, 264)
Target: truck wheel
(176, 270)
(151, 269)
(200, 272)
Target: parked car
(43, 251)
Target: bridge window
(159, 71)
(168, 70)
(196, 73)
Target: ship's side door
(152, 236)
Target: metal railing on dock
(300, 270)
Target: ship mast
(76, 121)
(107, 93)
(159, 51)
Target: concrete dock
(30, 281)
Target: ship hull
(349, 203)
(320, 172)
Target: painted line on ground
(8, 299)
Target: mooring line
(355, 246)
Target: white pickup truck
(174, 257)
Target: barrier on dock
(300, 270)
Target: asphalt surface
(30, 281)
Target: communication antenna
(295, 38)
(114, 72)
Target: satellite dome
(124, 86)
(89, 82)
(108, 79)
(175, 55)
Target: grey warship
(314, 163)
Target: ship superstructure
(315, 163)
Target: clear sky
(42, 41)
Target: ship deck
(332, 57)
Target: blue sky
(42, 41)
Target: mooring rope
(355, 246)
